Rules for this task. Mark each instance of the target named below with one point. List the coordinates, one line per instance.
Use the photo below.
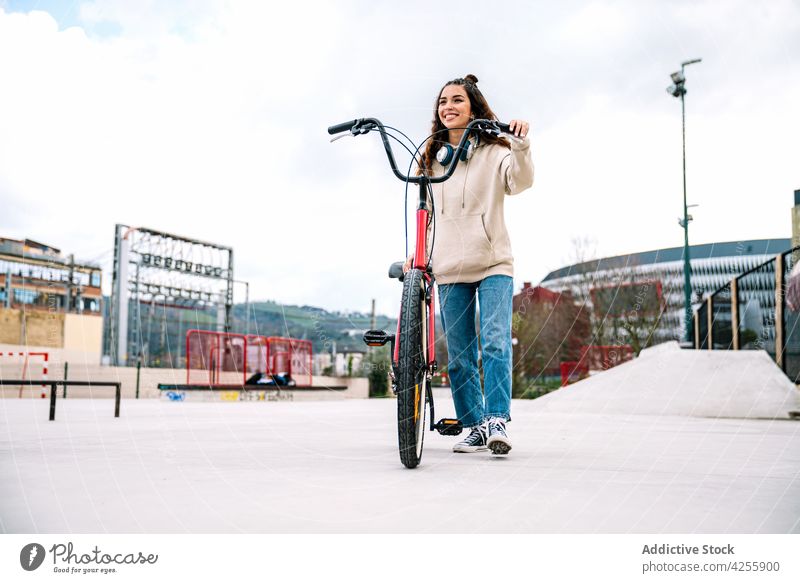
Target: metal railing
(757, 310)
(53, 391)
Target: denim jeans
(457, 305)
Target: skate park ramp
(666, 380)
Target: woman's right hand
(408, 263)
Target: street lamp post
(678, 89)
(246, 305)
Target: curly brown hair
(440, 135)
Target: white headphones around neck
(446, 152)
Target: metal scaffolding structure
(156, 271)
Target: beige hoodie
(471, 241)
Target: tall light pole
(678, 89)
(246, 305)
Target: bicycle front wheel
(411, 367)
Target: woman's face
(454, 107)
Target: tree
(626, 306)
(627, 310)
(376, 365)
(549, 328)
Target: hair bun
(471, 79)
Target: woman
(471, 258)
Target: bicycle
(412, 346)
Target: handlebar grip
(504, 127)
(342, 127)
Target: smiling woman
(471, 257)
(454, 111)
(460, 101)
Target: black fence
(721, 319)
(757, 310)
(790, 322)
(701, 327)
(54, 392)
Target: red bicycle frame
(420, 255)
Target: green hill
(308, 323)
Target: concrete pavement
(333, 467)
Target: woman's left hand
(519, 127)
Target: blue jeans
(457, 305)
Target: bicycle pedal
(449, 427)
(377, 337)
(396, 271)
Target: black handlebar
(364, 125)
(342, 127)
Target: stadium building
(650, 284)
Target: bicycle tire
(411, 365)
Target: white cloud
(596, 23)
(208, 119)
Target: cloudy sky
(207, 119)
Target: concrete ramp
(666, 380)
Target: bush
(747, 336)
(539, 388)
(376, 365)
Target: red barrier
(573, 371)
(605, 357)
(284, 356)
(594, 358)
(209, 355)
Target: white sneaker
(498, 440)
(475, 441)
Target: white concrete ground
(332, 466)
